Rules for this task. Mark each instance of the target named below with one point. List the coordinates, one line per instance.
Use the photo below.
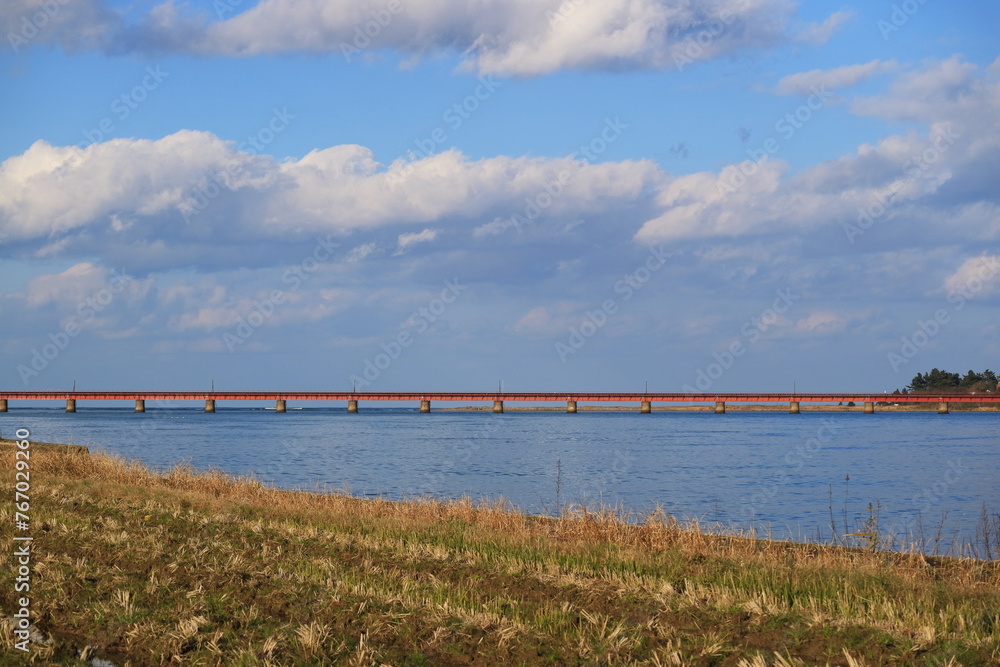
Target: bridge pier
(3, 405)
(720, 407)
(352, 406)
(793, 408)
(869, 407)
(942, 408)
(498, 407)
(571, 407)
(645, 408)
(209, 405)
(70, 405)
(280, 406)
(425, 406)
(140, 405)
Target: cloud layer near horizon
(208, 231)
(192, 189)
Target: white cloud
(820, 33)
(547, 321)
(916, 178)
(50, 190)
(84, 297)
(191, 198)
(75, 24)
(806, 83)
(949, 89)
(225, 309)
(138, 199)
(521, 37)
(85, 289)
(536, 321)
(406, 240)
(729, 204)
(823, 321)
(700, 205)
(494, 228)
(361, 252)
(516, 37)
(977, 276)
(69, 288)
(211, 318)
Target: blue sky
(726, 196)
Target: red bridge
(645, 400)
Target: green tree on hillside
(972, 378)
(936, 379)
(939, 380)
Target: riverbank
(135, 566)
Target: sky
(437, 195)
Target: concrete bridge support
(720, 407)
(645, 408)
(793, 408)
(571, 407)
(352, 406)
(209, 405)
(3, 405)
(281, 406)
(425, 406)
(869, 407)
(70, 405)
(498, 407)
(140, 405)
(942, 408)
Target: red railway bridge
(644, 400)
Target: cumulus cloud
(763, 198)
(706, 204)
(515, 37)
(50, 190)
(919, 177)
(190, 197)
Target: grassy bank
(141, 568)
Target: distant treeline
(938, 380)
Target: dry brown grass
(203, 567)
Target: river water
(782, 474)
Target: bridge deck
(581, 397)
